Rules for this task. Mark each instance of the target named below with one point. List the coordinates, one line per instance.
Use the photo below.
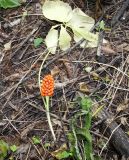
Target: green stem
(40, 69)
(48, 117)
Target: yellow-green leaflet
(57, 10)
(52, 40)
(80, 20)
(64, 39)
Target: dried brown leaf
(123, 106)
(55, 71)
(57, 122)
(95, 75)
(107, 50)
(83, 87)
(123, 120)
(60, 150)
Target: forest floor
(23, 120)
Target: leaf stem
(40, 69)
(48, 117)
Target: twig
(108, 65)
(36, 149)
(120, 12)
(28, 153)
(118, 139)
(109, 139)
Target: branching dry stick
(117, 136)
(109, 139)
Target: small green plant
(37, 42)
(80, 134)
(36, 140)
(9, 3)
(62, 153)
(102, 25)
(11, 158)
(47, 145)
(3, 149)
(13, 148)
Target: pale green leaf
(77, 37)
(9, 3)
(63, 155)
(3, 149)
(38, 41)
(88, 45)
(102, 25)
(90, 37)
(86, 103)
(13, 148)
(36, 139)
(87, 35)
(64, 39)
(81, 25)
(46, 145)
(80, 20)
(52, 40)
(57, 10)
(25, 13)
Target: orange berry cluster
(47, 86)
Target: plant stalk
(48, 118)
